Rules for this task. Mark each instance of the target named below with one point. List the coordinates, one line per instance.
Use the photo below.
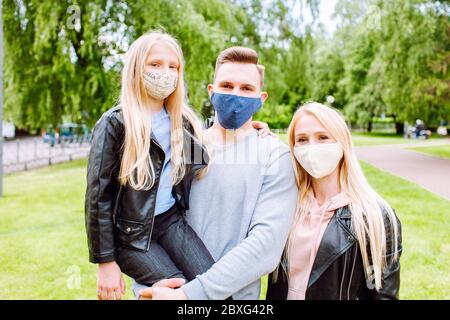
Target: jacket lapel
(337, 239)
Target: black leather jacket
(117, 215)
(338, 272)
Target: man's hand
(263, 129)
(110, 283)
(166, 289)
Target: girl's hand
(110, 283)
(263, 129)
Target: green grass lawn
(376, 138)
(442, 151)
(379, 138)
(369, 139)
(426, 239)
(43, 251)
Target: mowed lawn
(43, 251)
(380, 138)
(441, 151)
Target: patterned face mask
(160, 85)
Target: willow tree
(394, 57)
(63, 59)
(55, 61)
(415, 53)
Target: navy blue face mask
(232, 110)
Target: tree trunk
(399, 128)
(370, 126)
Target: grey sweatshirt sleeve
(260, 252)
(136, 287)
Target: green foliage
(278, 116)
(415, 51)
(395, 57)
(63, 59)
(54, 61)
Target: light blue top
(161, 129)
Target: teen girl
(346, 240)
(139, 172)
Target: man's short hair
(240, 55)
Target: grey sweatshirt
(242, 210)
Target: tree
(54, 61)
(415, 51)
(63, 59)
(394, 58)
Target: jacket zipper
(157, 186)
(343, 275)
(351, 273)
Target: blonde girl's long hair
(136, 166)
(366, 206)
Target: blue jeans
(175, 252)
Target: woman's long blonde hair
(136, 167)
(366, 205)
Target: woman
(345, 242)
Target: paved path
(430, 172)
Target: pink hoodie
(306, 240)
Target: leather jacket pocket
(132, 234)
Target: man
(242, 209)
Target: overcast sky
(326, 8)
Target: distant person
(420, 126)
